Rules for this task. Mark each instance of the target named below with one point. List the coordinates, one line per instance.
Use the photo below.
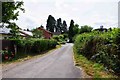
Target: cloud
(83, 12)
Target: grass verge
(24, 57)
(92, 69)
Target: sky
(84, 12)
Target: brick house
(46, 34)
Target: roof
(4, 30)
(22, 32)
(45, 30)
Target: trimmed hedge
(34, 45)
(28, 46)
(100, 47)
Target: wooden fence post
(15, 48)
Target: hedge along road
(58, 64)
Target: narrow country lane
(57, 64)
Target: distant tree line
(73, 30)
(56, 25)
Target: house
(4, 33)
(46, 34)
(101, 29)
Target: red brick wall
(46, 34)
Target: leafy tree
(37, 33)
(51, 23)
(71, 31)
(85, 29)
(64, 26)
(59, 25)
(10, 12)
(76, 29)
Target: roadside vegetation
(61, 39)
(28, 47)
(99, 49)
(91, 68)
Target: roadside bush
(28, 47)
(61, 39)
(7, 54)
(56, 38)
(101, 47)
(34, 46)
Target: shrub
(28, 46)
(101, 47)
(61, 39)
(35, 46)
(7, 54)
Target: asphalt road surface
(57, 64)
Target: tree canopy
(64, 28)
(10, 12)
(37, 33)
(76, 29)
(71, 32)
(56, 26)
(85, 28)
(51, 23)
(59, 25)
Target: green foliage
(100, 47)
(64, 27)
(7, 54)
(14, 30)
(65, 36)
(10, 12)
(55, 37)
(51, 23)
(85, 28)
(118, 37)
(93, 69)
(61, 39)
(76, 29)
(71, 31)
(56, 26)
(26, 47)
(59, 25)
(37, 33)
(34, 45)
